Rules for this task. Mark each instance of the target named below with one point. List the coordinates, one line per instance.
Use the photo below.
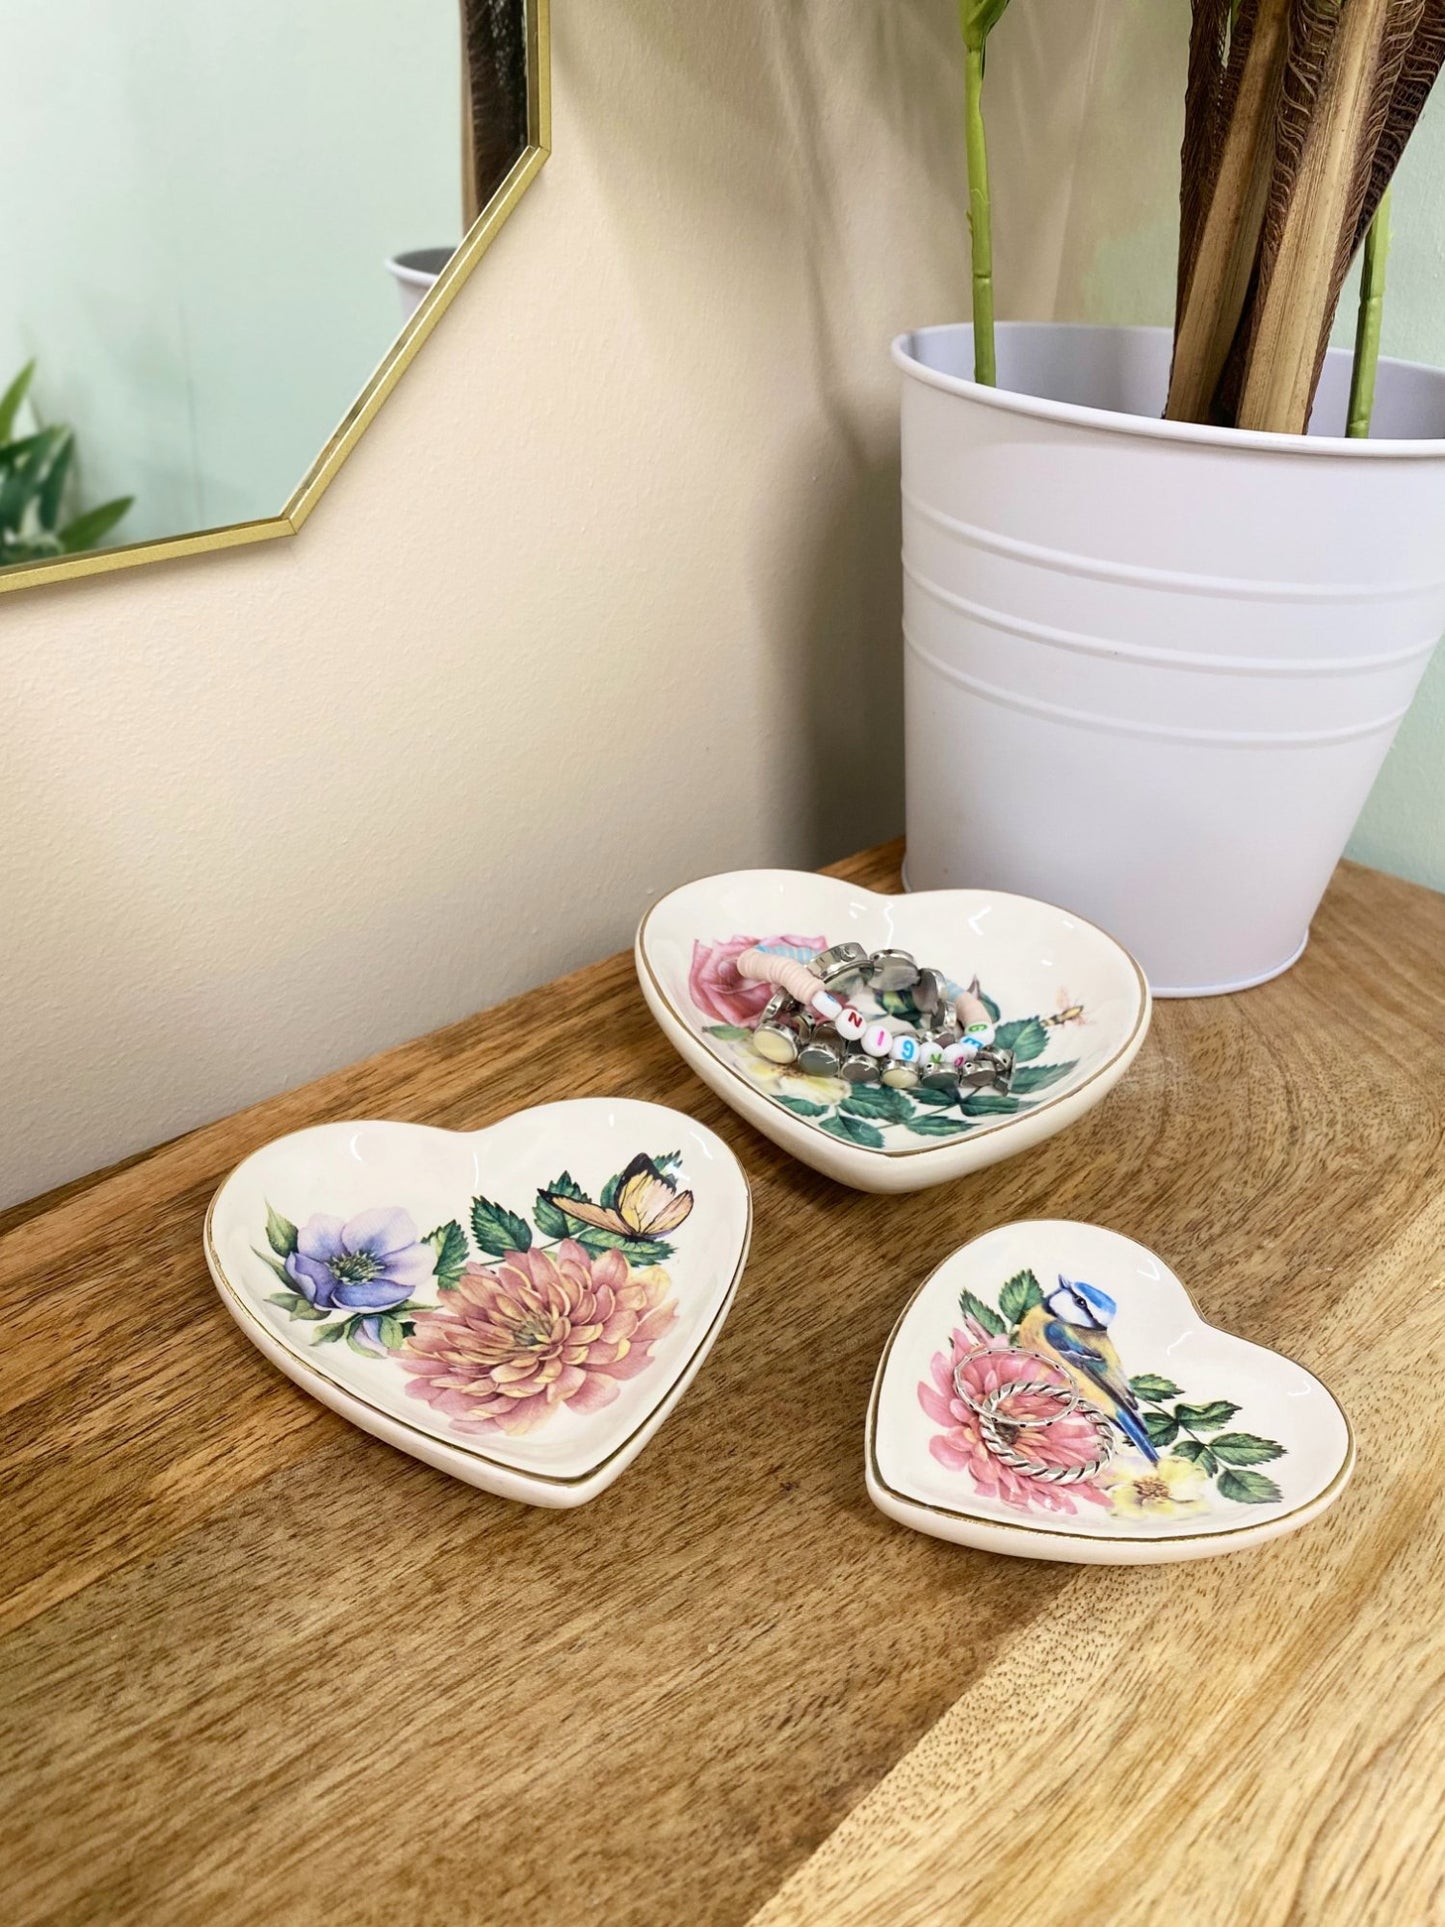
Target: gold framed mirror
(245, 222)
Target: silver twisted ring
(1051, 1386)
(999, 1447)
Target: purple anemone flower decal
(372, 1262)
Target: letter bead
(877, 1040)
(850, 1023)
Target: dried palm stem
(1229, 232)
(1332, 89)
(1199, 153)
(1367, 323)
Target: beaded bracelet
(809, 1021)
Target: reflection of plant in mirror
(34, 470)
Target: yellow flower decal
(1169, 1490)
(781, 1080)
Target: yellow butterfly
(648, 1204)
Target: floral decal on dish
(1172, 1457)
(499, 1330)
(866, 1113)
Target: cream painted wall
(607, 598)
(1086, 99)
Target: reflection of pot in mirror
(415, 272)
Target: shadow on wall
(822, 558)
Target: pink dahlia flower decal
(718, 990)
(514, 1341)
(984, 1364)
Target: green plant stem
(1367, 322)
(979, 223)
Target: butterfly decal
(1067, 1013)
(648, 1204)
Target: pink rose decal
(962, 1447)
(719, 991)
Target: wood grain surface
(255, 1666)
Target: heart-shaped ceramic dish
(1071, 1002)
(1208, 1443)
(520, 1306)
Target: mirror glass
(216, 220)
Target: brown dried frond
(1419, 69)
(1342, 62)
(1203, 105)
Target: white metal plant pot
(1153, 668)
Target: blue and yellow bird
(1071, 1328)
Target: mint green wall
(198, 204)
(1085, 106)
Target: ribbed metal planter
(1152, 669)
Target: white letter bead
(877, 1040)
(929, 1052)
(850, 1023)
(904, 1050)
(981, 1033)
(826, 1005)
(960, 1052)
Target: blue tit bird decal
(1071, 1328)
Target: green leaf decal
(641, 1251)
(1029, 1078)
(936, 1100)
(551, 1222)
(297, 1306)
(877, 1101)
(854, 1130)
(802, 1106)
(1025, 1037)
(1162, 1427)
(1199, 1453)
(332, 1332)
(1245, 1448)
(280, 1233)
(392, 1335)
(1150, 1385)
(989, 1005)
(1248, 1488)
(981, 1314)
(935, 1126)
(1207, 1418)
(449, 1242)
(990, 1104)
(270, 1258)
(727, 1033)
(1019, 1295)
(497, 1230)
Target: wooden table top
(257, 1666)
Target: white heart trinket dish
(1052, 1393)
(1069, 1003)
(520, 1306)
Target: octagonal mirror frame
(477, 239)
